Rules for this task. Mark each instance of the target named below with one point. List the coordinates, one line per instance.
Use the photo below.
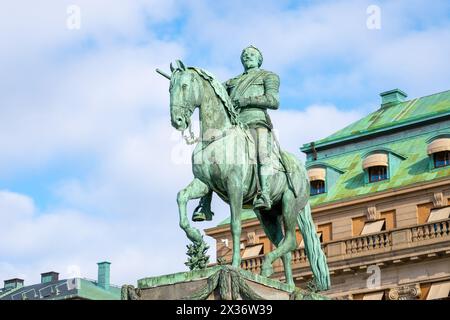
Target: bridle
(186, 110)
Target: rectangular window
(439, 214)
(317, 187)
(320, 235)
(373, 227)
(439, 290)
(377, 173)
(423, 212)
(374, 296)
(299, 239)
(361, 226)
(324, 231)
(253, 251)
(302, 244)
(441, 159)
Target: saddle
(275, 154)
(279, 160)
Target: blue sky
(90, 166)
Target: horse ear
(181, 65)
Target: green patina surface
(174, 278)
(391, 116)
(171, 279)
(414, 169)
(92, 291)
(301, 294)
(218, 278)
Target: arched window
(317, 178)
(377, 173)
(376, 167)
(439, 152)
(317, 187)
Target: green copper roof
(393, 115)
(90, 290)
(414, 169)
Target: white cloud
(325, 50)
(41, 241)
(84, 106)
(414, 62)
(14, 207)
(295, 128)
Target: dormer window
(376, 167)
(439, 152)
(441, 159)
(317, 178)
(377, 173)
(317, 187)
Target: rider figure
(253, 92)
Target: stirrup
(262, 202)
(200, 214)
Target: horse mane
(220, 92)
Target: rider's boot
(263, 201)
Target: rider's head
(251, 58)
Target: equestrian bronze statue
(237, 157)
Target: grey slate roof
(42, 291)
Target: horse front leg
(196, 189)
(235, 194)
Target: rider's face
(250, 59)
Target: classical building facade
(380, 196)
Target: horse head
(185, 95)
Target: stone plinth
(215, 283)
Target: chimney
(49, 277)
(13, 283)
(103, 274)
(392, 97)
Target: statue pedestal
(215, 283)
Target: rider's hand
(240, 103)
(236, 104)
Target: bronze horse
(223, 162)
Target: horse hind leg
(272, 225)
(288, 242)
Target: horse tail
(313, 249)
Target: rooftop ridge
(372, 126)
